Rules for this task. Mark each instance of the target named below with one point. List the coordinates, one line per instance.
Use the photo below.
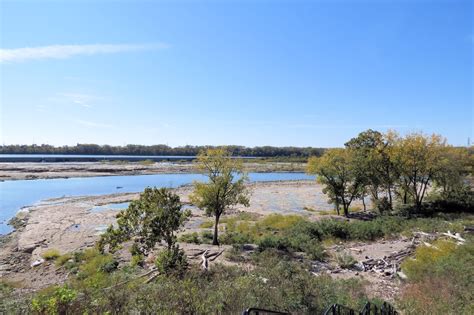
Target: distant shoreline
(32, 170)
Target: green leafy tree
(154, 217)
(338, 172)
(377, 171)
(453, 168)
(420, 159)
(225, 186)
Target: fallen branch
(456, 236)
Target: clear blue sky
(302, 73)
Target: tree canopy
(225, 186)
(388, 167)
(154, 217)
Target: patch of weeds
(206, 237)
(192, 238)
(63, 259)
(327, 212)
(207, 224)
(345, 260)
(51, 254)
(278, 222)
(315, 251)
(147, 162)
(235, 254)
(55, 301)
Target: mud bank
(21, 171)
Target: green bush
(63, 259)
(207, 224)
(345, 260)
(172, 261)
(273, 241)
(315, 250)
(440, 280)
(57, 301)
(192, 238)
(206, 237)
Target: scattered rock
(36, 263)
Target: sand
(20, 171)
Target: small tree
(225, 187)
(336, 170)
(153, 218)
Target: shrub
(206, 224)
(63, 259)
(51, 254)
(272, 241)
(109, 266)
(315, 251)
(425, 257)
(440, 280)
(278, 222)
(345, 260)
(172, 261)
(206, 237)
(190, 238)
(55, 302)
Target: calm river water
(17, 194)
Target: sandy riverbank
(19, 171)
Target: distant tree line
(160, 149)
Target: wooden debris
(456, 236)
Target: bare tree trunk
(390, 196)
(363, 202)
(215, 240)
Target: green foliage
(276, 284)
(172, 261)
(56, 301)
(137, 260)
(388, 167)
(440, 280)
(345, 260)
(51, 254)
(206, 237)
(315, 250)
(63, 259)
(337, 170)
(190, 238)
(206, 224)
(153, 218)
(285, 153)
(223, 189)
(425, 257)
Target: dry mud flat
(19, 171)
(72, 223)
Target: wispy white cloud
(83, 100)
(93, 124)
(79, 99)
(67, 51)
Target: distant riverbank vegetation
(161, 149)
(397, 171)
